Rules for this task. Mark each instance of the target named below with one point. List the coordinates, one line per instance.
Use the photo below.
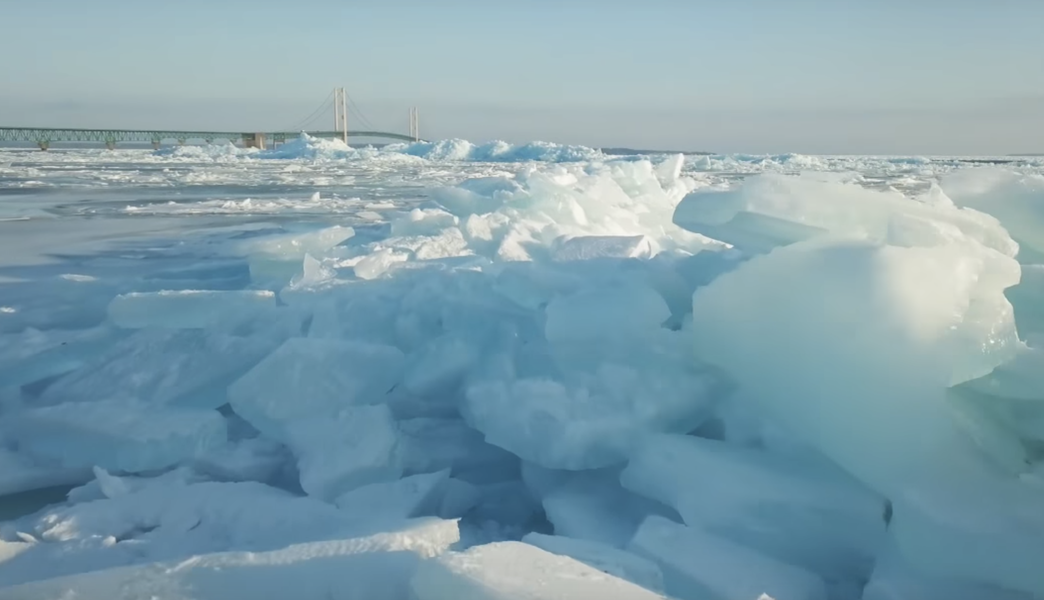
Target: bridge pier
(43, 144)
(110, 144)
(254, 140)
(181, 141)
(155, 144)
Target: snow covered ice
(450, 370)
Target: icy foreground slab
(858, 346)
(894, 580)
(615, 562)
(309, 377)
(700, 566)
(338, 453)
(986, 532)
(117, 435)
(518, 571)
(376, 567)
(795, 510)
(189, 309)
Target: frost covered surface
(456, 370)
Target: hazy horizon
(810, 76)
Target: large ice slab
(33, 355)
(518, 571)
(1013, 198)
(250, 459)
(771, 210)
(591, 505)
(895, 580)
(859, 344)
(608, 312)
(118, 435)
(616, 562)
(190, 309)
(377, 567)
(308, 377)
(795, 509)
(185, 367)
(988, 532)
(340, 452)
(276, 259)
(19, 473)
(591, 421)
(700, 566)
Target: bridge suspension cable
(303, 123)
(352, 106)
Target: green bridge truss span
(110, 137)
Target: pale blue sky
(842, 76)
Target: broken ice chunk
(313, 273)
(611, 312)
(588, 247)
(393, 501)
(423, 221)
(189, 309)
(378, 263)
(117, 435)
(311, 377)
(591, 505)
(668, 171)
(700, 566)
(616, 562)
(275, 259)
(517, 570)
(251, 459)
(341, 452)
(807, 513)
(293, 246)
(432, 444)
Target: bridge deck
(45, 135)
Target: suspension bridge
(43, 137)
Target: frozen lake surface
(447, 370)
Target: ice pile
(497, 151)
(311, 148)
(594, 379)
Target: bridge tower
(414, 124)
(341, 113)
